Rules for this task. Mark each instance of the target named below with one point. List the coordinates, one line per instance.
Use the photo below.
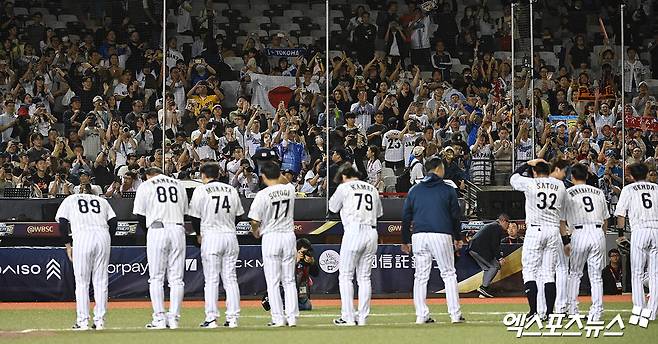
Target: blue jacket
(433, 207)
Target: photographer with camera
(101, 111)
(42, 120)
(306, 267)
(80, 163)
(121, 185)
(61, 185)
(86, 186)
(204, 140)
(92, 136)
(143, 136)
(123, 147)
(245, 180)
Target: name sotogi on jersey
(275, 203)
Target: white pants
(439, 246)
(588, 245)
(279, 258)
(561, 279)
(219, 253)
(357, 253)
(165, 252)
(91, 256)
(644, 249)
(539, 253)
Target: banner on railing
(46, 274)
(569, 120)
(285, 52)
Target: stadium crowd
(408, 82)
(82, 101)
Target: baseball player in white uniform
(214, 208)
(638, 202)
(160, 205)
(433, 208)
(544, 208)
(359, 205)
(271, 215)
(587, 215)
(91, 221)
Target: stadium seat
(335, 53)
(548, 57)
(182, 39)
(219, 7)
(260, 20)
(502, 55)
(249, 27)
(240, 5)
(318, 33)
(389, 183)
(67, 18)
(49, 18)
(455, 61)
(41, 10)
(260, 7)
(303, 7)
(336, 14)
(240, 40)
(20, 11)
(280, 20)
(387, 172)
(279, 5)
(290, 27)
(292, 13)
(58, 25)
(306, 40)
(301, 20)
(335, 27)
(269, 27)
(318, 7)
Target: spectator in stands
(633, 73)
(122, 185)
(416, 172)
(612, 274)
(60, 185)
(441, 60)
(482, 154)
(292, 152)
(37, 150)
(86, 185)
(245, 180)
(364, 111)
(314, 180)
(419, 29)
(41, 177)
(363, 38)
(7, 121)
(80, 164)
(6, 178)
(374, 168)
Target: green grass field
(387, 324)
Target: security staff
(433, 208)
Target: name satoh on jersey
(358, 203)
(217, 205)
(161, 199)
(85, 213)
(544, 199)
(586, 205)
(638, 202)
(274, 208)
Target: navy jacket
(486, 241)
(433, 207)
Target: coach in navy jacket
(432, 205)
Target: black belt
(581, 226)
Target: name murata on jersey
(210, 189)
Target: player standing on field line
(433, 208)
(359, 205)
(587, 215)
(160, 206)
(91, 221)
(271, 215)
(638, 202)
(214, 208)
(544, 211)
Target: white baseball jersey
(162, 199)
(585, 205)
(393, 150)
(638, 202)
(85, 212)
(544, 199)
(274, 207)
(217, 205)
(358, 203)
(409, 142)
(88, 216)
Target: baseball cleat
(80, 327)
(485, 291)
(341, 322)
(458, 320)
(231, 323)
(209, 324)
(273, 324)
(421, 321)
(98, 326)
(156, 325)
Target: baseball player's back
(274, 208)
(360, 206)
(90, 219)
(272, 212)
(215, 206)
(544, 199)
(587, 214)
(160, 204)
(637, 202)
